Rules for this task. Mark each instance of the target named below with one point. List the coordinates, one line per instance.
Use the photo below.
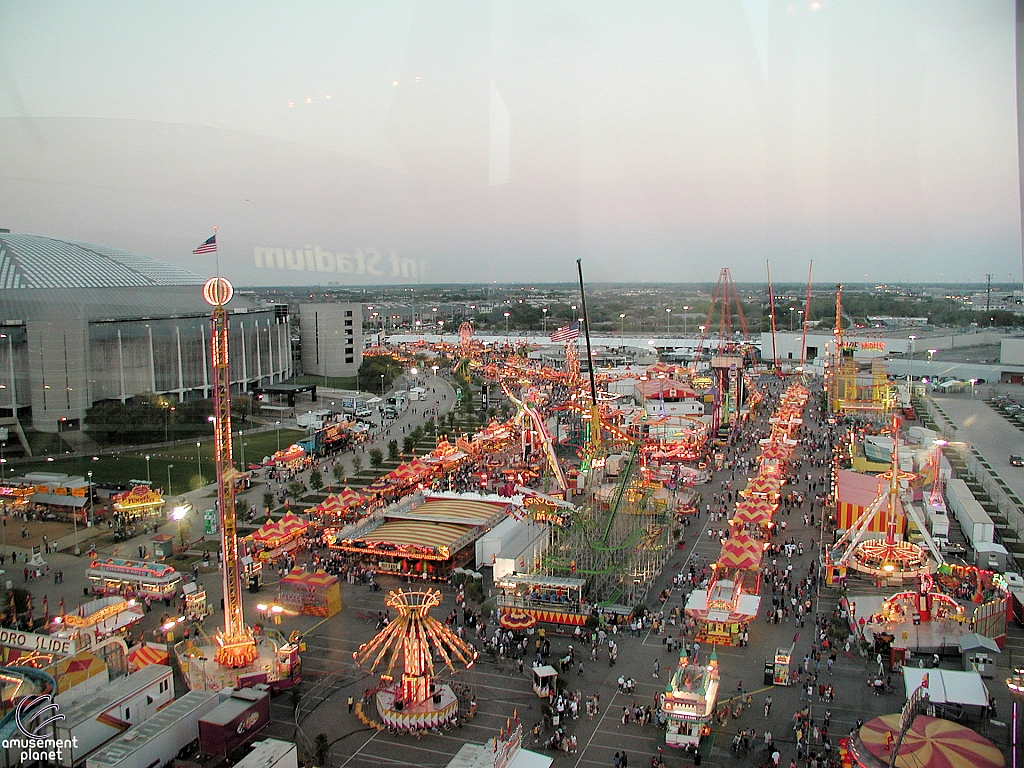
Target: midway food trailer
(133, 578)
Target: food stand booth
(140, 503)
(196, 608)
(782, 666)
(314, 594)
(688, 703)
(545, 680)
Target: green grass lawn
(184, 459)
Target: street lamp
(544, 320)
(278, 424)
(668, 320)
(622, 323)
(148, 478)
(169, 468)
(791, 311)
(90, 495)
(931, 378)
(382, 385)
(1016, 685)
(686, 309)
(507, 316)
(910, 362)
(244, 465)
(199, 458)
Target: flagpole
(217, 251)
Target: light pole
(622, 323)
(169, 468)
(149, 479)
(931, 377)
(507, 316)
(668, 320)
(544, 319)
(382, 385)
(90, 495)
(910, 364)
(686, 309)
(199, 460)
(791, 311)
(278, 423)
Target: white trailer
(271, 753)
(91, 722)
(977, 526)
(938, 524)
(158, 740)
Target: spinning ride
(889, 557)
(416, 700)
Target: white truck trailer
(974, 520)
(158, 740)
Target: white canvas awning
(947, 686)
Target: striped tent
(338, 504)
(855, 492)
(763, 485)
(415, 539)
(754, 512)
(741, 552)
(71, 671)
(778, 451)
(275, 532)
(144, 655)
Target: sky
(354, 143)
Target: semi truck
(158, 740)
(977, 526)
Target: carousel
(416, 700)
(930, 741)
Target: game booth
(146, 654)
(278, 537)
(315, 594)
(98, 619)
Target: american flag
(209, 246)
(567, 332)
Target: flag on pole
(567, 332)
(209, 246)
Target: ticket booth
(545, 680)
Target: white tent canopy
(946, 686)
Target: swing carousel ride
(891, 557)
(416, 700)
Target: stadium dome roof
(34, 261)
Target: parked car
(1016, 461)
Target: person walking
(767, 706)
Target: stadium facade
(83, 323)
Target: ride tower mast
(235, 644)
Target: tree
(316, 480)
(268, 499)
(393, 450)
(339, 473)
(184, 534)
(296, 490)
(376, 458)
(357, 463)
(407, 444)
(321, 748)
